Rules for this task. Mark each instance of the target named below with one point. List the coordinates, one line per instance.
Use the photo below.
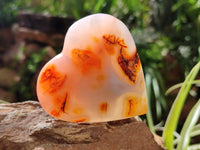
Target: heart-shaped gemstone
(98, 75)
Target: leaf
(98, 6)
(194, 147)
(3, 102)
(157, 92)
(178, 86)
(195, 131)
(149, 114)
(174, 114)
(188, 126)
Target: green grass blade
(160, 80)
(194, 147)
(196, 127)
(173, 88)
(150, 121)
(98, 6)
(188, 126)
(195, 132)
(178, 86)
(148, 86)
(3, 102)
(160, 101)
(174, 114)
(149, 114)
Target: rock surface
(5, 95)
(25, 126)
(44, 23)
(33, 35)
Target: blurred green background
(166, 33)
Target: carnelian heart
(98, 75)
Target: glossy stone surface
(98, 75)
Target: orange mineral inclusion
(111, 41)
(51, 80)
(60, 105)
(132, 106)
(104, 107)
(86, 60)
(98, 75)
(130, 65)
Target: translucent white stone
(98, 75)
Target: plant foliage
(174, 114)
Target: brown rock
(33, 35)
(26, 126)
(6, 39)
(44, 23)
(14, 55)
(7, 96)
(30, 48)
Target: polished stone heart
(98, 75)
